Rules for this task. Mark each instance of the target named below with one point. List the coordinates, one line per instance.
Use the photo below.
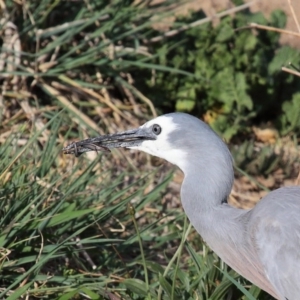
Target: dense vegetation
(105, 226)
(235, 75)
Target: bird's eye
(156, 129)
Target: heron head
(176, 137)
(164, 141)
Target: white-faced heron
(263, 243)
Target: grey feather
(275, 231)
(262, 244)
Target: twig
(269, 28)
(120, 223)
(31, 115)
(129, 94)
(141, 96)
(294, 67)
(63, 27)
(202, 21)
(293, 14)
(66, 103)
(139, 50)
(11, 48)
(112, 245)
(42, 247)
(85, 254)
(3, 6)
(95, 95)
(285, 69)
(145, 99)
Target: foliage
(237, 74)
(57, 212)
(290, 119)
(66, 231)
(73, 52)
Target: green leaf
(284, 56)
(69, 295)
(137, 286)
(225, 34)
(238, 285)
(19, 292)
(278, 18)
(185, 105)
(154, 267)
(290, 120)
(167, 287)
(91, 294)
(64, 217)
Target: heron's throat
(202, 194)
(206, 185)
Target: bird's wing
(275, 233)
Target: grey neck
(208, 182)
(203, 201)
(205, 186)
(222, 226)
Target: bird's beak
(126, 139)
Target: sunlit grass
(72, 227)
(94, 227)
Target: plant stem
(177, 253)
(132, 213)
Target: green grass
(94, 227)
(77, 228)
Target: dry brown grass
(212, 7)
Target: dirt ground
(212, 7)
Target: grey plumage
(262, 244)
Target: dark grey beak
(124, 139)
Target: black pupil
(156, 129)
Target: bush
(235, 74)
(65, 228)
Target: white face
(162, 146)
